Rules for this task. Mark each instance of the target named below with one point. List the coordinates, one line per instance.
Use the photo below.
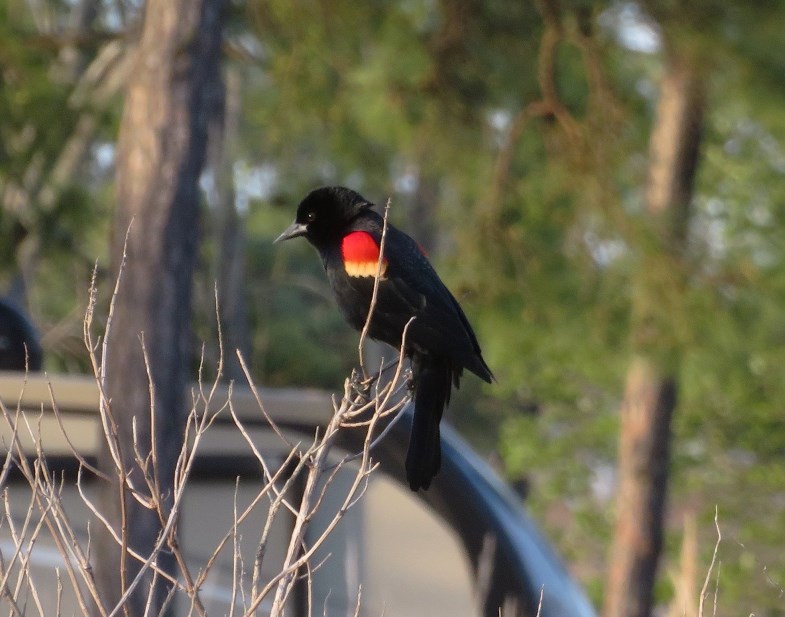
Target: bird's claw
(360, 384)
(409, 376)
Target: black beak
(293, 231)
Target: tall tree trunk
(651, 389)
(229, 269)
(160, 154)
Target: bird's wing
(412, 288)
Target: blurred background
(518, 144)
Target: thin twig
(539, 602)
(255, 392)
(31, 476)
(711, 565)
(376, 279)
(74, 452)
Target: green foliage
(53, 228)
(298, 335)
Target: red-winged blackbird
(440, 342)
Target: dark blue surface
(503, 544)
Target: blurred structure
(466, 547)
(19, 345)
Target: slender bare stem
(376, 279)
(704, 589)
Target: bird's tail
(433, 379)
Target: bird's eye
(310, 217)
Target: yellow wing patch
(364, 268)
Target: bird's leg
(411, 382)
(363, 385)
(413, 372)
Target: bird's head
(324, 215)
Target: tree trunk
(229, 269)
(160, 154)
(651, 390)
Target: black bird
(440, 342)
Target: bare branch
(377, 277)
(704, 589)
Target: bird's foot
(409, 377)
(361, 385)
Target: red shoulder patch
(361, 254)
